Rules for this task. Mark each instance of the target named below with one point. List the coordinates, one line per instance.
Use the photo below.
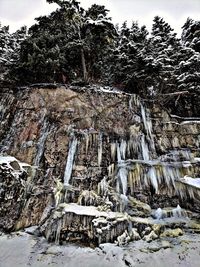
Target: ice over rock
(96, 159)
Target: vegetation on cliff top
(72, 44)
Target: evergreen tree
(128, 57)
(188, 80)
(9, 50)
(4, 50)
(191, 34)
(163, 48)
(73, 43)
(92, 32)
(69, 43)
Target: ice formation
(110, 172)
(70, 161)
(41, 142)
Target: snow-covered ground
(21, 249)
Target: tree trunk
(85, 75)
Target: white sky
(22, 12)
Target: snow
(101, 89)
(196, 159)
(90, 211)
(7, 159)
(191, 181)
(16, 168)
(186, 118)
(187, 164)
(189, 122)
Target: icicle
(58, 192)
(123, 176)
(96, 137)
(170, 175)
(123, 149)
(41, 142)
(153, 178)
(134, 99)
(113, 151)
(111, 169)
(158, 171)
(136, 174)
(146, 121)
(58, 231)
(103, 187)
(144, 118)
(118, 154)
(86, 143)
(130, 181)
(158, 214)
(123, 202)
(100, 148)
(148, 126)
(128, 149)
(145, 150)
(131, 103)
(179, 212)
(70, 160)
(117, 186)
(90, 140)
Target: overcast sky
(22, 12)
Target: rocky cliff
(96, 165)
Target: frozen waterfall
(144, 148)
(41, 142)
(100, 149)
(70, 161)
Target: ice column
(41, 142)
(123, 173)
(145, 150)
(70, 161)
(100, 148)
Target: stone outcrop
(12, 191)
(98, 150)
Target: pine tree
(163, 48)
(9, 50)
(91, 32)
(4, 50)
(69, 43)
(191, 34)
(128, 57)
(188, 76)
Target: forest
(77, 46)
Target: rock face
(12, 191)
(97, 160)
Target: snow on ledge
(189, 122)
(191, 181)
(91, 211)
(13, 164)
(7, 159)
